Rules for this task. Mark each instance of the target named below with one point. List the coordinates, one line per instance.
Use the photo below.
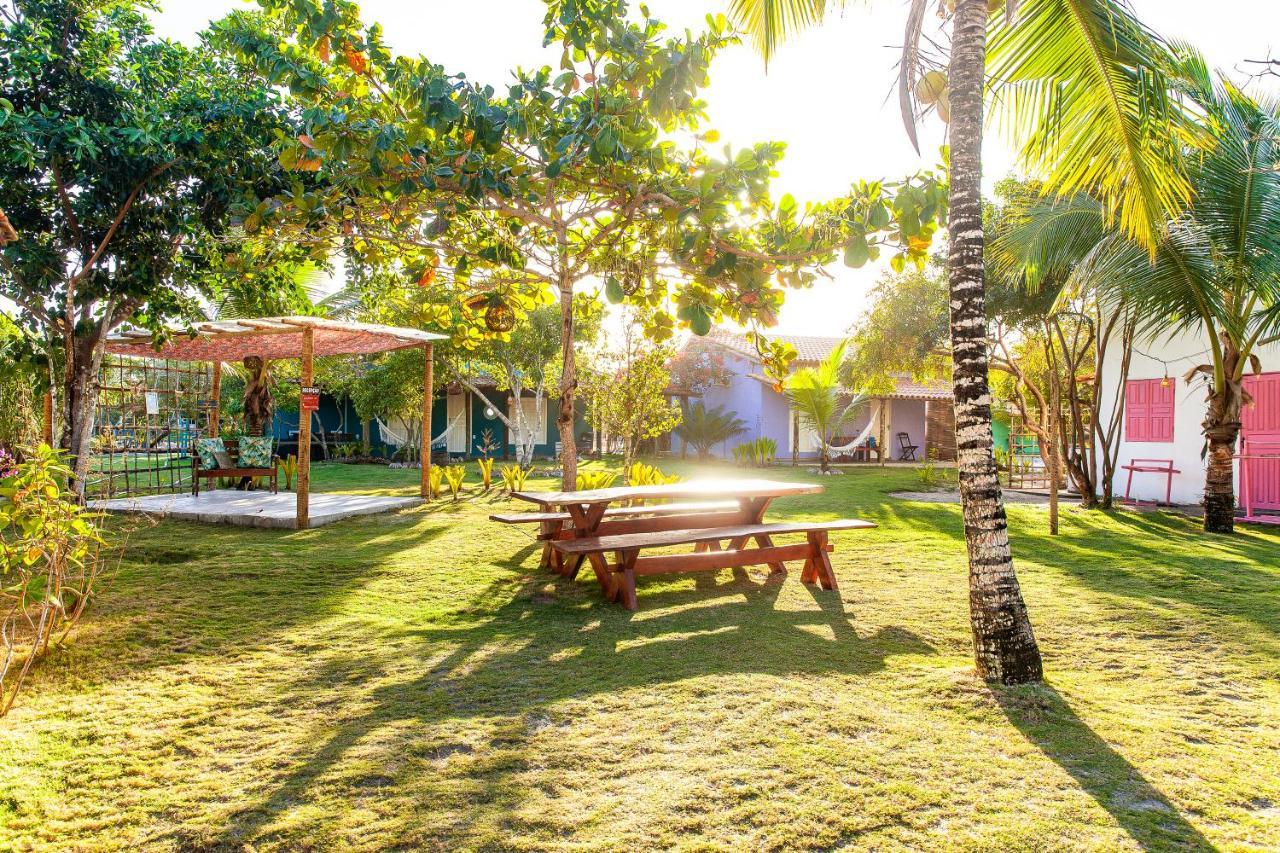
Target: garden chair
(907, 450)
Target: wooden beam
(304, 433)
(714, 560)
(215, 413)
(424, 487)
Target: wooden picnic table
(731, 510)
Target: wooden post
(215, 413)
(424, 487)
(47, 436)
(304, 432)
(886, 414)
(795, 437)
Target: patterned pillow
(206, 448)
(255, 452)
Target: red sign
(310, 399)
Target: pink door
(1262, 436)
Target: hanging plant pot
(499, 317)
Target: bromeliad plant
(760, 452)
(436, 479)
(589, 480)
(485, 464)
(289, 467)
(50, 556)
(454, 475)
(513, 477)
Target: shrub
(761, 452)
(485, 463)
(513, 477)
(435, 477)
(289, 467)
(51, 552)
(454, 475)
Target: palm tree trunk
(1005, 647)
(1221, 429)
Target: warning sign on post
(310, 399)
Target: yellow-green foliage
(454, 475)
(640, 474)
(588, 480)
(436, 477)
(761, 452)
(485, 464)
(513, 477)
(289, 467)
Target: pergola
(276, 338)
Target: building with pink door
(1162, 416)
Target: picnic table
(718, 517)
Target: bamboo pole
(304, 433)
(424, 487)
(47, 435)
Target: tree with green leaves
(703, 428)
(818, 396)
(122, 156)
(567, 178)
(1216, 268)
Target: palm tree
(703, 428)
(815, 392)
(1078, 83)
(1215, 271)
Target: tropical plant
(1216, 269)
(513, 477)
(641, 474)
(289, 467)
(589, 480)
(454, 475)
(816, 394)
(485, 464)
(1080, 85)
(435, 476)
(703, 428)
(51, 554)
(760, 452)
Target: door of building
(1261, 434)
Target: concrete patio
(255, 509)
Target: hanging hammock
(390, 436)
(857, 442)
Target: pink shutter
(1161, 410)
(1137, 412)
(1148, 412)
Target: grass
(414, 680)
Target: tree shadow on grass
(1045, 719)
(540, 649)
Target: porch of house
(254, 508)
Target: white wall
(1182, 352)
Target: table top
(690, 489)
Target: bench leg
(766, 541)
(628, 580)
(821, 562)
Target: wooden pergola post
(424, 487)
(215, 413)
(304, 432)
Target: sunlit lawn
(415, 680)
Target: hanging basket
(499, 317)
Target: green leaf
(857, 253)
(699, 321)
(613, 290)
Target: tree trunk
(1005, 647)
(1221, 429)
(80, 398)
(568, 387)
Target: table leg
(628, 580)
(821, 562)
(766, 541)
(586, 521)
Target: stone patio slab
(255, 509)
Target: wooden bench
(624, 519)
(1150, 466)
(198, 473)
(618, 579)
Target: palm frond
(1082, 87)
(768, 23)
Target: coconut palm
(1082, 89)
(817, 396)
(1215, 271)
(703, 428)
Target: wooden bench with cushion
(211, 461)
(625, 519)
(618, 579)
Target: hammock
(390, 436)
(857, 442)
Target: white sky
(824, 94)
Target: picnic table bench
(580, 527)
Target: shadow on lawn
(539, 649)
(1045, 719)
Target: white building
(1163, 413)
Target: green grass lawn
(414, 680)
